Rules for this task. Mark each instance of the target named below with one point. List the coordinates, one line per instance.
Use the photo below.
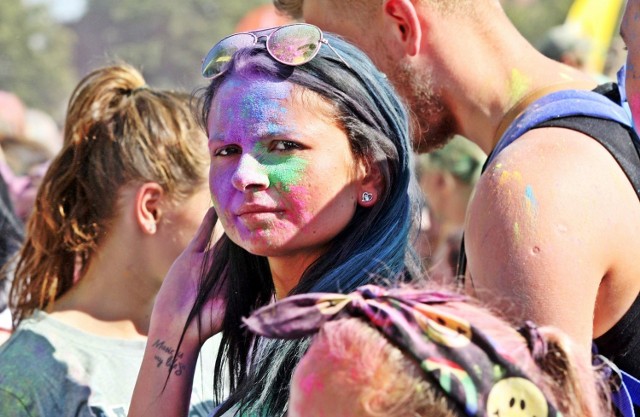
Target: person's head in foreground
(132, 174)
(417, 352)
(310, 177)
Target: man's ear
(403, 21)
(148, 209)
(371, 183)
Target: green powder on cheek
(285, 171)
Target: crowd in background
(130, 165)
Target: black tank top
(621, 343)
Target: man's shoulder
(550, 150)
(550, 174)
(595, 114)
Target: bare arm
(542, 232)
(165, 380)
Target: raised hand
(166, 376)
(180, 287)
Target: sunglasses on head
(294, 44)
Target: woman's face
(630, 31)
(283, 178)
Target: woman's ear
(403, 23)
(148, 209)
(371, 183)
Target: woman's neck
(113, 298)
(286, 271)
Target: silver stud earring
(367, 197)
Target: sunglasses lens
(294, 44)
(222, 52)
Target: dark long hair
(374, 243)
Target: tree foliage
(534, 18)
(166, 39)
(35, 56)
(41, 60)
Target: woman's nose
(250, 174)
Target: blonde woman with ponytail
(119, 202)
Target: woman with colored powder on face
(311, 178)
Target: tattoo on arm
(168, 357)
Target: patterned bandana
(454, 354)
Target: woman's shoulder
(43, 349)
(29, 340)
(29, 354)
(32, 380)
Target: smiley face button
(516, 397)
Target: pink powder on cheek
(298, 198)
(221, 188)
(225, 216)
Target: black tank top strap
(617, 139)
(621, 343)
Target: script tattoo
(167, 356)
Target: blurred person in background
(29, 139)
(447, 177)
(12, 124)
(11, 234)
(566, 44)
(117, 205)
(262, 17)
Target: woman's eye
(226, 151)
(285, 145)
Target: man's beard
(432, 124)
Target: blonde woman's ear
(148, 210)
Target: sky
(63, 10)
